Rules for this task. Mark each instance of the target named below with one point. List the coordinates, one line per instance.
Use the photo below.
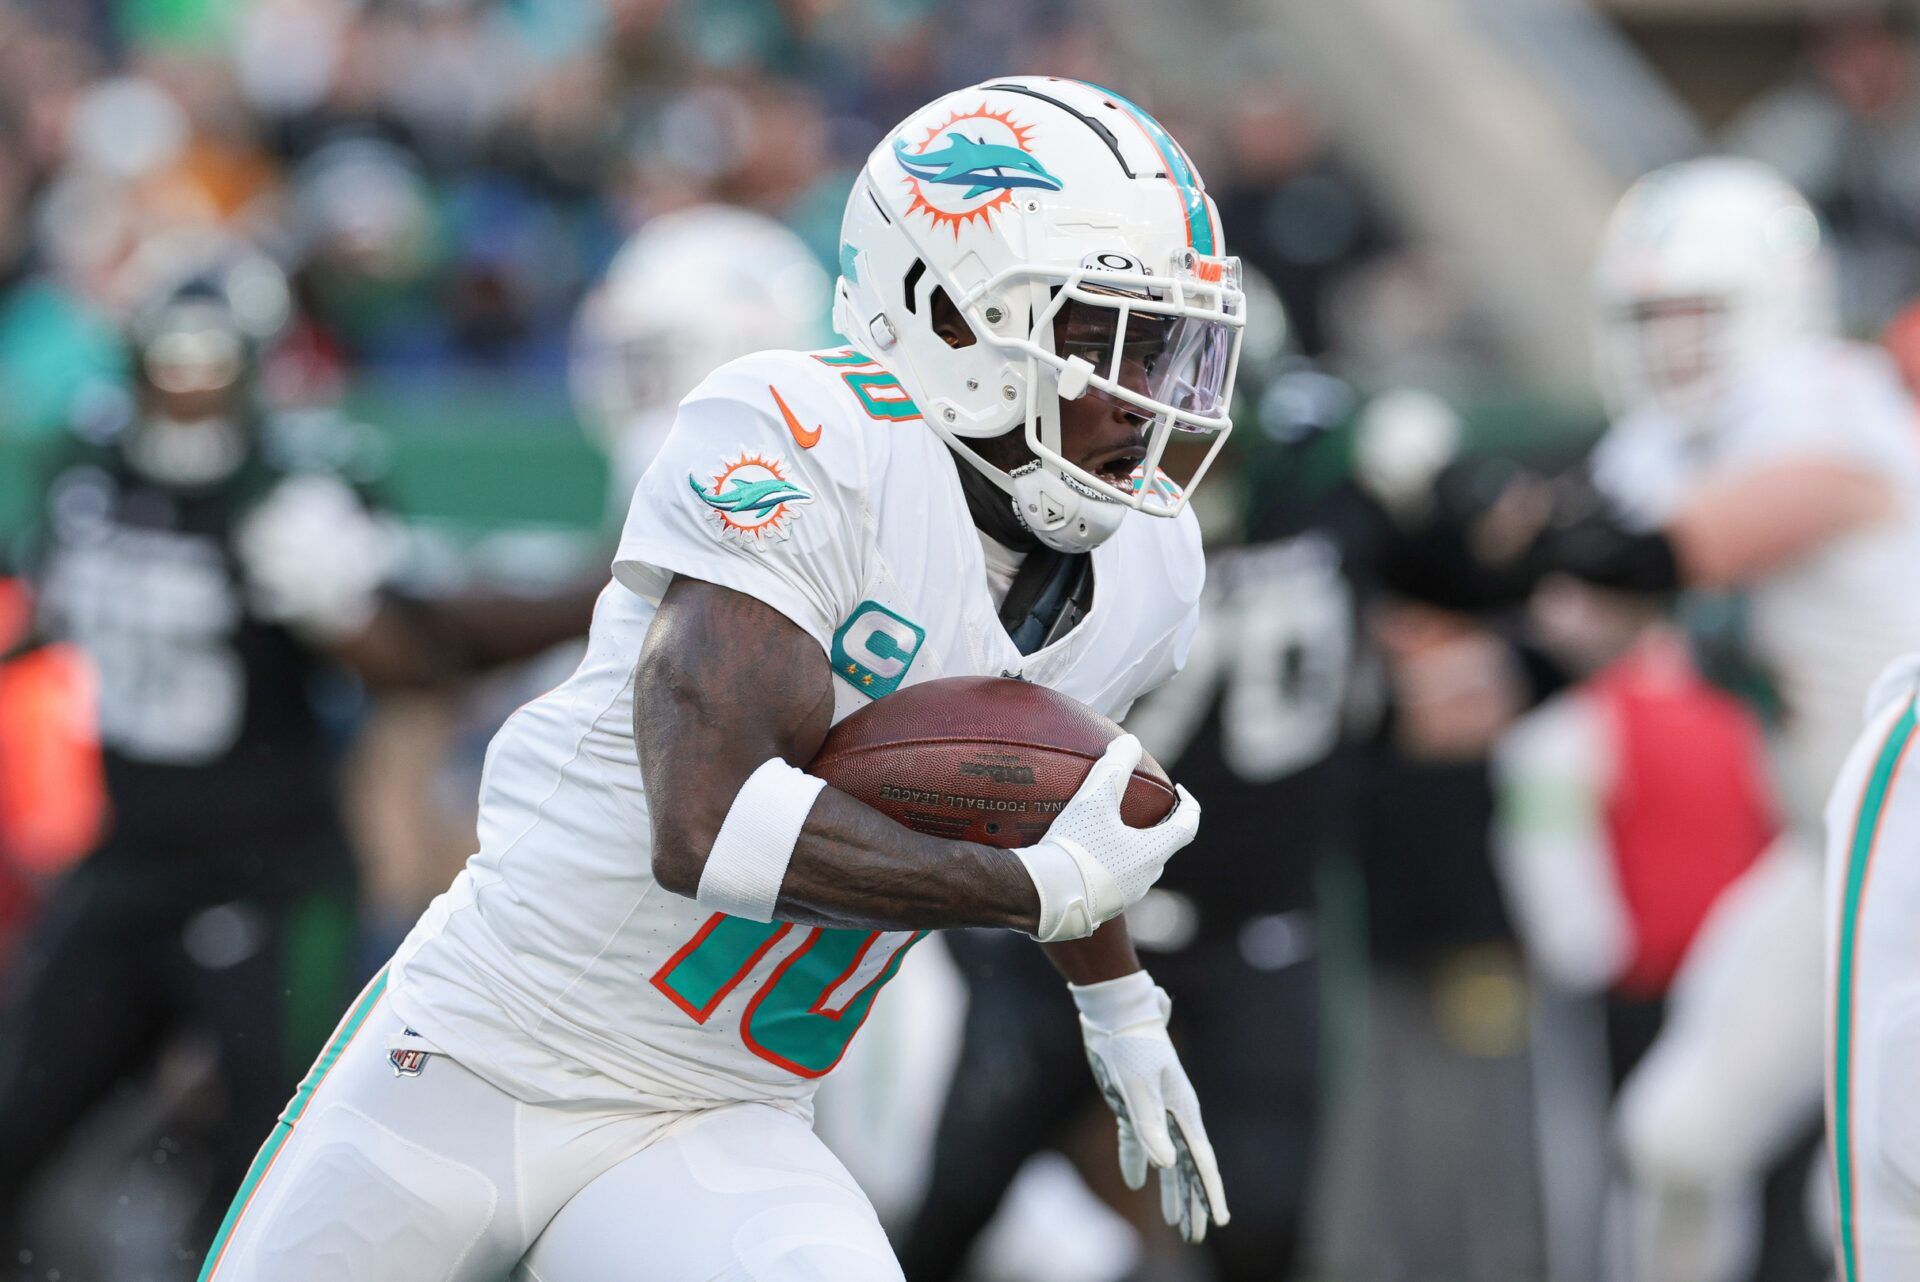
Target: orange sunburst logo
(751, 499)
(969, 165)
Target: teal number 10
(788, 1022)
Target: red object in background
(52, 792)
(16, 610)
(1690, 808)
(53, 802)
(1901, 338)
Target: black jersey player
(220, 575)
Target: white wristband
(1060, 870)
(750, 855)
(1114, 1004)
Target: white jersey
(1825, 626)
(556, 967)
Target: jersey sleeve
(1839, 403)
(1550, 842)
(756, 491)
(1637, 469)
(1181, 569)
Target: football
(982, 759)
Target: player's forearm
(1738, 531)
(854, 867)
(1105, 954)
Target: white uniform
(1735, 1074)
(1825, 627)
(567, 982)
(1873, 1017)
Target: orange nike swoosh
(806, 439)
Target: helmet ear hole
(947, 321)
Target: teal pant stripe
(302, 1096)
(1866, 828)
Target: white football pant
(382, 1177)
(1732, 1080)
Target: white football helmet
(1070, 232)
(687, 293)
(1707, 267)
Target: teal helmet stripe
(1192, 195)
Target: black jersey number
(1275, 649)
(156, 615)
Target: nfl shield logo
(407, 1063)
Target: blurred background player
(1754, 455)
(1627, 805)
(637, 349)
(1284, 713)
(220, 575)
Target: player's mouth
(1115, 466)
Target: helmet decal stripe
(1192, 196)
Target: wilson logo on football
(970, 165)
(997, 771)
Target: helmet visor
(1165, 343)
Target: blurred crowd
(445, 177)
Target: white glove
(1092, 866)
(315, 558)
(1124, 1022)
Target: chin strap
(992, 507)
(1063, 515)
(1034, 505)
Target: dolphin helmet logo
(970, 165)
(751, 499)
(981, 167)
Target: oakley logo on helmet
(970, 166)
(1107, 260)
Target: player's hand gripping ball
(1090, 816)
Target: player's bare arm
(724, 683)
(1733, 531)
(1749, 526)
(414, 641)
(1105, 954)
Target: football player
(214, 567)
(1756, 456)
(1873, 1020)
(600, 1045)
(632, 359)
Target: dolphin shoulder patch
(749, 499)
(874, 648)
